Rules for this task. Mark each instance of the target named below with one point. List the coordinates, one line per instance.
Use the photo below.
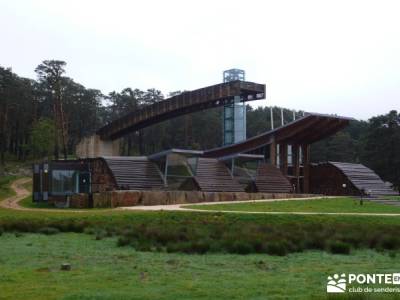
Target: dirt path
(20, 193)
(181, 207)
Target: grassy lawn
(393, 197)
(29, 262)
(30, 269)
(332, 205)
(5, 190)
(27, 202)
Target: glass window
(64, 181)
(290, 155)
(228, 125)
(228, 111)
(178, 166)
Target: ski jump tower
(234, 115)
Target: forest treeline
(48, 116)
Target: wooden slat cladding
(213, 176)
(135, 173)
(328, 178)
(364, 178)
(270, 179)
(181, 104)
(101, 176)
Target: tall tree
(43, 138)
(382, 147)
(50, 72)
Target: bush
(48, 230)
(100, 235)
(389, 242)
(241, 247)
(338, 247)
(277, 248)
(123, 241)
(200, 247)
(89, 230)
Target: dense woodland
(48, 116)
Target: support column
(306, 168)
(283, 153)
(272, 153)
(296, 165)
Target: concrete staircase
(269, 179)
(135, 173)
(213, 176)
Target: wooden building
(338, 178)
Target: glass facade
(234, 122)
(64, 182)
(289, 155)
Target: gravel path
(20, 191)
(181, 207)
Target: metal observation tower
(234, 115)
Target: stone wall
(79, 201)
(132, 198)
(92, 146)
(102, 179)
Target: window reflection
(64, 181)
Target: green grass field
(144, 255)
(393, 197)
(330, 205)
(5, 190)
(30, 269)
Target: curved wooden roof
(306, 130)
(187, 102)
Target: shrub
(18, 234)
(100, 235)
(389, 242)
(123, 241)
(89, 230)
(185, 247)
(314, 242)
(276, 248)
(338, 247)
(241, 247)
(48, 230)
(200, 247)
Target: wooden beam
(283, 158)
(291, 131)
(306, 167)
(337, 126)
(316, 128)
(296, 165)
(272, 153)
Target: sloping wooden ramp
(135, 172)
(269, 179)
(364, 179)
(213, 176)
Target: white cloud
(326, 56)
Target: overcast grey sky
(322, 56)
